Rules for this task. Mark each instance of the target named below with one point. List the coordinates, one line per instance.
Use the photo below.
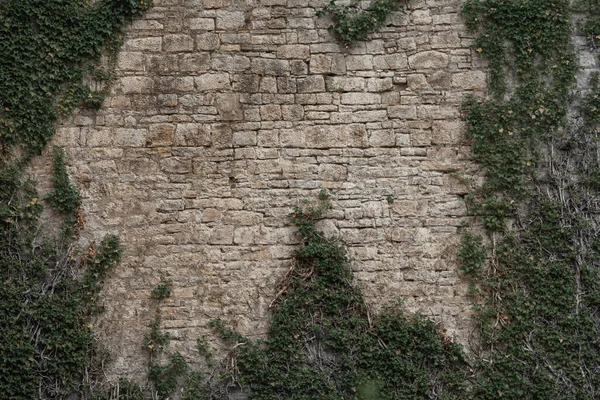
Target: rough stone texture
(226, 114)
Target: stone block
(270, 112)
(169, 84)
(245, 235)
(379, 84)
(320, 63)
(178, 43)
(359, 62)
(403, 112)
(428, 60)
(244, 138)
(345, 84)
(268, 84)
(221, 135)
(267, 66)
(311, 84)
(421, 17)
(292, 138)
(125, 137)
(382, 138)
(176, 165)
(472, 80)
(190, 135)
(136, 84)
(416, 81)
(151, 44)
(131, 61)
(230, 20)
(166, 206)
(213, 81)
(292, 112)
(360, 98)
(440, 80)
(322, 137)
(445, 40)
(333, 172)
(68, 137)
(447, 132)
(207, 41)
(431, 112)
(286, 85)
(230, 62)
(160, 135)
(211, 215)
(203, 24)
(229, 107)
(97, 136)
(298, 51)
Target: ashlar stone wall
(226, 114)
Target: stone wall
(226, 114)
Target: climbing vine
(323, 343)
(48, 288)
(537, 298)
(351, 23)
(589, 24)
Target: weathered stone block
(428, 60)
(379, 84)
(360, 98)
(130, 137)
(292, 138)
(227, 20)
(292, 112)
(437, 112)
(211, 215)
(131, 61)
(293, 51)
(311, 84)
(144, 44)
(136, 84)
(97, 137)
(230, 62)
(472, 80)
(177, 43)
(345, 84)
(265, 66)
(190, 135)
(270, 112)
(403, 112)
(320, 63)
(221, 135)
(207, 41)
(169, 84)
(204, 24)
(382, 138)
(160, 135)
(229, 107)
(359, 63)
(212, 81)
(421, 17)
(176, 165)
(244, 138)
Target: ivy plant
(352, 24)
(537, 309)
(323, 342)
(48, 288)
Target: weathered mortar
(226, 114)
